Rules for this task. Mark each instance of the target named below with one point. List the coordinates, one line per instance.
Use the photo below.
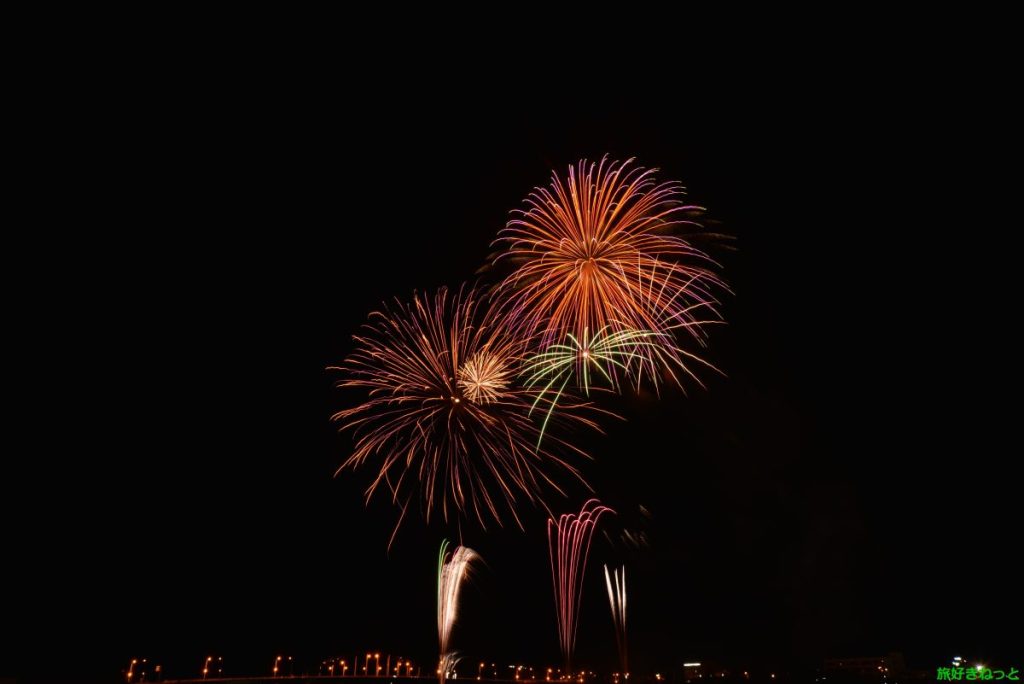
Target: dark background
(844, 490)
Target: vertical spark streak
(568, 547)
(616, 583)
(452, 570)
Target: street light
(376, 659)
(277, 662)
(206, 666)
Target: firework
(616, 583)
(607, 356)
(452, 570)
(443, 415)
(484, 377)
(569, 546)
(598, 251)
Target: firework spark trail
(452, 570)
(599, 251)
(568, 547)
(443, 414)
(446, 669)
(616, 583)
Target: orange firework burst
(443, 412)
(600, 251)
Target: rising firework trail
(568, 547)
(452, 570)
(443, 416)
(602, 249)
(616, 583)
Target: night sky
(842, 490)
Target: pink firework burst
(568, 547)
